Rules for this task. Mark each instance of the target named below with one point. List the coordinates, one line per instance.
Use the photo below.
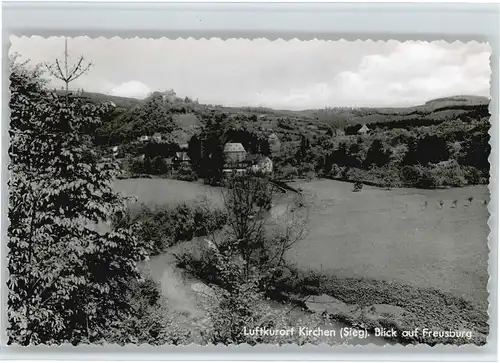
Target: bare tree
(65, 72)
(247, 201)
(292, 228)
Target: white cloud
(415, 73)
(412, 73)
(134, 89)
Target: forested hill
(123, 102)
(440, 108)
(133, 118)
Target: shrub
(353, 174)
(397, 153)
(310, 175)
(448, 174)
(186, 173)
(166, 227)
(358, 185)
(136, 166)
(472, 175)
(426, 180)
(288, 172)
(409, 175)
(159, 166)
(418, 176)
(336, 171)
(150, 321)
(306, 169)
(376, 155)
(390, 177)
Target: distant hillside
(459, 100)
(137, 117)
(123, 102)
(438, 104)
(451, 106)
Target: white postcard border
(350, 21)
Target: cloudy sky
(279, 74)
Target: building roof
(364, 128)
(234, 147)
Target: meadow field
(155, 193)
(424, 238)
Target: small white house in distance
(115, 150)
(363, 130)
(144, 138)
(234, 152)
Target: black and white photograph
(248, 191)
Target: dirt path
(175, 285)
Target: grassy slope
(160, 192)
(124, 102)
(370, 248)
(393, 236)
